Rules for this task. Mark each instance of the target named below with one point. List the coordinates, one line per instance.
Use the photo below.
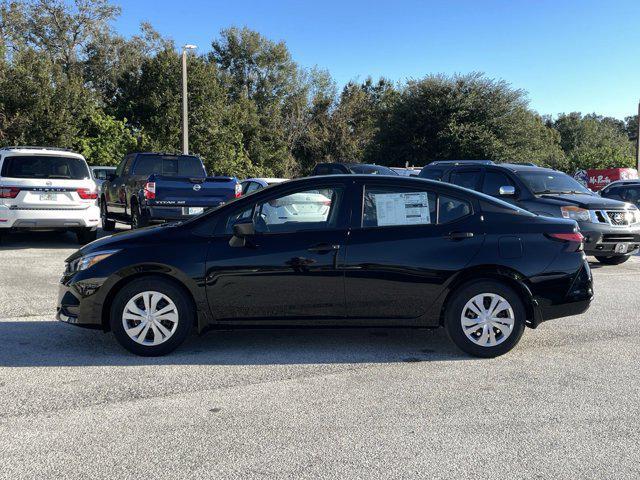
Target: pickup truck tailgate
(193, 192)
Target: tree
(592, 141)
(464, 117)
(105, 140)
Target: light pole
(185, 110)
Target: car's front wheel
(151, 316)
(485, 318)
(613, 260)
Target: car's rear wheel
(138, 219)
(107, 225)
(151, 316)
(485, 318)
(613, 260)
(86, 235)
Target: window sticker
(402, 208)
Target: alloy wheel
(150, 318)
(487, 319)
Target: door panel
(286, 276)
(398, 271)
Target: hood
(582, 200)
(130, 238)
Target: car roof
(24, 151)
(96, 167)
(513, 167)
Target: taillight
(575, 238)
(150, 190)
(238, 191)
(87, 194)
(9, 192)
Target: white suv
(45, 188)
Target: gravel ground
(390, 403)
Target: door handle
(458, 235)
(323, 248)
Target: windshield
(45, 166)
(371, 170)
(551, 182)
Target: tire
(138, 219)
(175, 324)
(107, 225)
(87, 235)
(613, 260)
(486, 291)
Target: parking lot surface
(325, 403)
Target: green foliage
(591, 141)
(464, 117)
(106, 140)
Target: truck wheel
(613, 260)
(138, 219)
(87, 235)
(151, 316)
(485, 318)
(107, 225)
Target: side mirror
(507, 191)
(242, 230)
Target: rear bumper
(602, 239)
(34, 219)
(160, 214)
(564, 297)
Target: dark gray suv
(611, 227)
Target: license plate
(195, 210)
(48, 197)
(621, 248)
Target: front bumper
(80, 302)
(49, 219)
(602, 239)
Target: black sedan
(347, 250)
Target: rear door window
(451, 208)
(466, 178)
(45, 166)
(396, 206)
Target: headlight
(576, 213)
(88, 260)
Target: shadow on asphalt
(52, 344)
(55, 240)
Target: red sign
(597, 179)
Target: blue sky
(569, 55)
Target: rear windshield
(372, 170)
(45, 166)
(181, 166)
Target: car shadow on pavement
(49, 240)
(51, 344)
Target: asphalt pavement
(326, 403)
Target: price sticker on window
(411, 208)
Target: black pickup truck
(155, 187)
